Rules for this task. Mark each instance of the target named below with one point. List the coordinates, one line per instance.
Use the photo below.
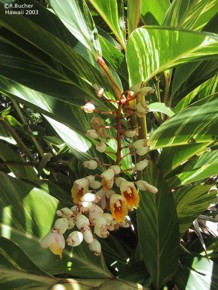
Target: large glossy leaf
(191, 14)
(5, 136)
(191, 201)
(82, 71)
(152, 50)
(197, 273)
(188, 77)
(27, 213)
(158, 230)
(172, 157)
(76, 17)
(133, 14)
(153, 12)
(112, 12)
(196, 124)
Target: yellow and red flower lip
(130, 193)
(118, 207)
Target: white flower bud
(118, 181)
(82, 222)
(95, 184)
(108, 174)
(140, 143)
(92, 134)
(142, 151)
(141, 165)
(64, 212)
(91, 164)
(130, 133)
(101, 147)
(88, 108)
(115, 168)
(95, 247)
(88, 236)
(101, 233)
(74, 239)
(101, 223)
(145, 186)
(61, 225)
(90, 178)
(88, 197)
(108, 217)
(71, 223)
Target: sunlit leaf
(112, 13)
(76, 17)
(152, 50)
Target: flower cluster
(101, 201)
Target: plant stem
(38, 147)
(119, 133)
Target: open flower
(54, 241)
(130, 193)
(80, 187)
(118, 207)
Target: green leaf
(160, 107)
(112, 13)
(16, 163)
(77, 18)
(196, 124)
(153, 12)
(133, 14)
(158, 230)
(190, 15)
(204, 167)
(26, 214)
(188, 77)
(197, 273)
(191, 201)
(172, 157)
(157, 49)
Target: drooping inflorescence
(102, 201)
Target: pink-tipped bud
(90, 164)
(101, 222)
(141, 165)
(95, 247)
(92, 134)
(82, 222)
(75, 239)
(145, 186)
(101, 233)
(61, 225)
(71, 223)
(95, 212)
(64, 212)
(101, 147)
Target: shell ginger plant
(102, 201)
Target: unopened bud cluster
(101, 201)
